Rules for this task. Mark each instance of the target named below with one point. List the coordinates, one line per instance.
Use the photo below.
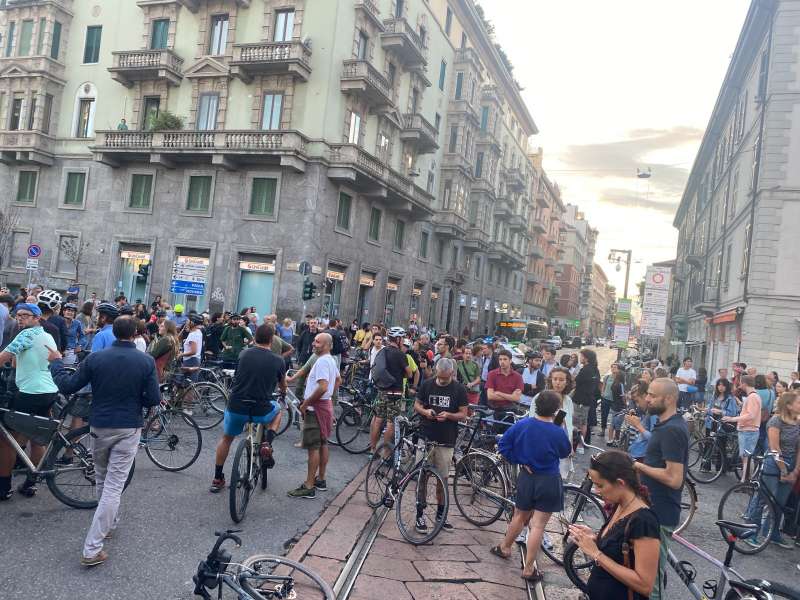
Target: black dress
(602, 585)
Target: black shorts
(34, 404)
(542, 492)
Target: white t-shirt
(324, 368)
(195, 336)
(141, 345)
(528, 376)
(685, 374)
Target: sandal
(534, 577)
(497, 551)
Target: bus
(531, 333)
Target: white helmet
(50, 298)
(397, 332)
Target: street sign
(73, 289)
(188, 287)
(32, 264)
(189, 275)
(656, 298)
(622, 323)
(34, 251)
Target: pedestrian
(663, 468)
(9, 325)
(722, 403)
(305, 342)
(504, 388)
(6, 302)
(354, 329)
(213, 333)
(767, 396)
(76, 340)
(487, 361)
(141, 340)
(587, 385)
(192, 348)
(389, 368)
(536, 445)
(317, 411)
(701, 383)
(124, 384)
(606, 396)
(360, 334)
(747, 422)
(624, 552)
(686, 377)
(533, 378)
(165, 348)
(234, 338)
(549, 360)
(617, 408)
(641, 421)
(285, 331)
(469, 375)
(560, 381)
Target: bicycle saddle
(741, 531)
(229, 372)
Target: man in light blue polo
(104, 338)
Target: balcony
(26, 147)
(490, 93)
(15, 67)
(463, 107)
(367, 174)
(538, 226)
(11, 4)
(224, 148)
(271, 58)
(468, 56)
(502, 208)
(400, 39)
(536, 251)
(487, 138)
(483, 189)
(517, 223)
(515, 180)
(361, 79)
(450, 225)
(192, 5)
(476, 240)
(534, 278)
(541, 200)
(371, 12)
(458, 161)
(456, 276)
(146, 65)
(502, 253)
(420, 133)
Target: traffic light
(309, 289)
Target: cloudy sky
(619, 85)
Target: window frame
(146, 100)
(337, 226)
(12, 116)
(273, 95)
(250, 182)
(10, 33)
(63, 188)
(199, 108)
(89, 118)
(354, 126)
(275, 24)
(442, 74)
(459, 87)
(399, 227)
(129, 189)
(448, 21)
(9, 258)
(426, 235)
(57, 255)
(55, 40)
(92, 28)
(211, 46)
(153, 25)
(187, 178)
(377, 241)
(29, 23)
(17, 180)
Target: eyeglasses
(24, 315)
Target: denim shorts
(747, 442)
(540, 491)
(233, 422)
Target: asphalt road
(167, 525)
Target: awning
(729, 316)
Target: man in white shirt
(533, 378)
(686, 377)
(317, 409)
(549, 360)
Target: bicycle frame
(725, 572)
(34, 469)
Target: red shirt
(507, 384)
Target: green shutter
(75, 185)
(343, 218)
(91, 51)
(27, 187)
(56, 46)
(199, 193)
(10, 38)
(262, 198)
(141, 187)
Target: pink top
(750, 417)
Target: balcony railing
(26, 147)
(360, 78)
(516, 222)
(476, 239)
(450, 224)
(463, 106)
(371, 11)
(418, 130)
(401, 39)
(271, 58)
(145, 65)
(515, 179)
(466, 55)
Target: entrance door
(451, 298)
(255, 289)
(364, 301)
(333, 298)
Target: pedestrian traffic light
(309, 289)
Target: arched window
(85, 106)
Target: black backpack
(339, 342)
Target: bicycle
(577, 568)
(171, 438)
(248, 468)
(204, 401)
(353, 425)
(715, 454)
(258, 577)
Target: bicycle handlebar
(222, 536)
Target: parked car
(556, 342)
(601, 342)
(575, 342)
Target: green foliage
(166, 121)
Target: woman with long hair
(615, 415)
(165, 348)
(625, 551)
(722, 403)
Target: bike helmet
(196, 319)
(127, 310)
(178, 308)
(106, 308)
(533, 354)
(70, 306)
(49, 298)
(397, 332)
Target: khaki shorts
(312, 436)
(580, 415)
(439, 459)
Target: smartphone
(560, 416)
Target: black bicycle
(259, 577)
(717, 453)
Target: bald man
(664, 466)
(317, 410)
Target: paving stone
(445, 570)
(390, 568)
(328, 568)
(561, 593)
(487, 538)
(439, 591)
(508, 574)
(368, 587)
(493, 591)
(441, 552)
(394, 549)
(483, 555)
(457, 537)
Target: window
(343, 213)
(440, 251)
(10, 38)
(437, 122)
(219, 35)
(208, 106)
(40, 36)
(76, 185)
(398, 9)
(25, 38)
(374, 225)
(65, 262)
(152, 105)
(727, 279)
(31, 113)
(363, 46)
(442, 74)
(448, 21)
(414, 101)
(91, 49)
(199, 197)
(763, 75)
(141, 190)
(160, 34)
(354, 135)
(463, 39)
(262, 197)
(453, 139)
(431, 182)
(284, 25)
(746, 252)
(448, 190)
(391, 74)
(423, 36)
(399, 234)
(479, 165)
(383, 147)
(56, 45)
(271, 111)
(478, 266)
(484, 118)
(26, 187)
(459, 85)
(16, 114)
(85, 113)
(424, 238)
(48, 109)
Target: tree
(74, 250)
(9, 218)
(166, 121)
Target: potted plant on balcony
(166, 121)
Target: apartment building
(599, 302)
(572, 244)
(736, 288)
(217, 152)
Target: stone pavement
(457, 565)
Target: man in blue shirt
(76, 339)
(106, 313)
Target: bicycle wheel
(379, 474)
(745, 503)
(286, 414)
(479, 488)
(706, 460)
(577, 566)
(688, 505)
(266, 576)
(241, 486)
(352, 429)
(417, 509)
(579, 507)
(172, 440)
(775, 589)
(202, 401)
(72, 480)
(338, 409)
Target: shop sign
(142, 256)
(367, 281)
(474, 303)
(416, 292)
(487, 305)
(257, 266)
(392, 286)
(335, 275)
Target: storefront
(189, 279)
(433, 309)
(366, 289)
(390, 304)
(134, 272)
(256, 283)
(332, 299)
(414, 304)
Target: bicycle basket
(39, 429)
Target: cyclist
(49, 301)
(106, 313)
(234, 338)
(389, 369)
(180, 319)
(258, 372)
(76, 339)
(36, 390)
(192, 347)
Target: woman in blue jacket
(721, 403)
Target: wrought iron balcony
(476, 240)
(502, 208)
(400, 38)
(271, 58)
(361, 79)
(418, 131)
(538, 226)
(468, 55)
(31, 147)
(536, 251)
(541, 200)
(146, 65)
(501, 252)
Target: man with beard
(664, 466)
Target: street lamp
(620, 256)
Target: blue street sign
(187, 287)
(34, 251)
(74, 290)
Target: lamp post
(620, 256)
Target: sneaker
(753, 541)
(420, 525)
(217, 485)
(522, 538)
(27, 489)
(93, 561)
(783, 543)
(6, 495)
(303, 492)
(447, 526)
(321, 484)
(580, 450)
(547, 543)
(266, 455)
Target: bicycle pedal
(388, 502)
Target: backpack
(381, 377)
(339, 342)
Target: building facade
(599, 302)
(572, 244)
(235, 147)
(736, 289)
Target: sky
(615, 86)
